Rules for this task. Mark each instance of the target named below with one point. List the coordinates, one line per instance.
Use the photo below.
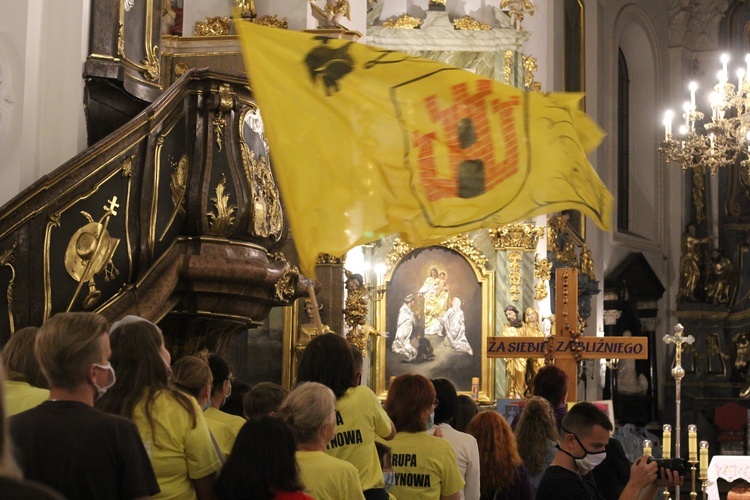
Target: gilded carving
(151, 63)
(181, 68)
(178, 187)
(521, 236)
(273, 22)
(220, 223)
(529, 67)
(507, 66)
(542, 272)
(468, 23)
(149, 67)
(226, 102)
(6, 260)
(284, 288)
(403, 22)
(89, 253)
(127, 168)
(465, 246)
(326, 259)
(212, 26)
(461, 243)
(246, 7)
(560, 241)
(514, 275)
(267, 217)
(398, 249)
(586, 264)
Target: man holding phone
(582, 446)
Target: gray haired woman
(310, 410)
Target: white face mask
(589, 460)
(101, 390)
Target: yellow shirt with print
(327, 478)
(359, 419)
(425, 466)
(179, 451)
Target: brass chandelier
(721, 141)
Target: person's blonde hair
(191, 374)
(20, 361)
(535, 427)
(306, 409)
(66, 346)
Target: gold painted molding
(520, 236)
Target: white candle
(692, 443)
(704, 458)
(724, 61)
(740, 79)
(686, 109)
(647, 447)
(693, 87)
(747, 62)
(666, 439)
(668, 124)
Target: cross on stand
(567, 346)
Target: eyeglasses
(435, 403)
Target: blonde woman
(536, 436)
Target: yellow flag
(368, 142)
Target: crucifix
(567, 346)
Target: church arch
(636, 47)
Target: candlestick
(704, 460)
(666, 439)
(693, 87)
(692, 443)
(668, 116)
(647, 447)
(724, 61)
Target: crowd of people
(98, 411)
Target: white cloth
(455, 330)
(728, 468)
(467, 455)
(402, 342)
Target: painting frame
(474, 284)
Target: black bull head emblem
(329, 65)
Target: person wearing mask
(65, 442)
(581, 447)
(425, 466)
(221, 389)
(192, 375)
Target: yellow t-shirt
(425, 466)
(223, 435)
(20, 396)
(181, 452)
(327, 478)
(359, 418)
(233, 421)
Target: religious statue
(532, 328)
(628, 380)
(690, 264)
(586, 265)
(434, 292)
(741, 342)
(560, 241)
(517, 9)
(405, 325)
(719, 278)
(307, 331)
(355, 308)
(247, 8)
(455, 329)
(515, 368)
(699, 190)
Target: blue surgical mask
(431, 422)
(390, 479)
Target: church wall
(48, 41)
(639, 28)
